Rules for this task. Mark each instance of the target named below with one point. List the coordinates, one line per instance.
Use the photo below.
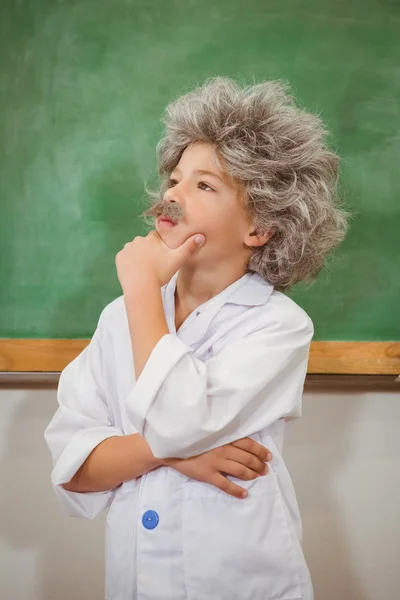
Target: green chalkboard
(83, 85)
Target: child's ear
(258, 237)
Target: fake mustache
(171, 210)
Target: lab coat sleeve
(184, 406)
(81, 422)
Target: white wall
(344, 458)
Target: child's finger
(227, 486)
(231, 467)
(247, 459)
(254, 447)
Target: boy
(247, 208)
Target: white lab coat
(235, 368)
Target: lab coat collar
(249, 290)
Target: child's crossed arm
(122, 458)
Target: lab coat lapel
(250, 290)
(194, 328)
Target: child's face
(211, 205)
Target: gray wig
(277, 152)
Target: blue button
(150, 519)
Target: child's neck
(194, 289)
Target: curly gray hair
(277, 152)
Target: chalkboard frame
(334, 358)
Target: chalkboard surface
(83, 85)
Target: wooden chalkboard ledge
(32, 380)
(334, 358)
(355, 358)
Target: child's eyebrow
(201, 172)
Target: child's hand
(244, 459)
(150, 257)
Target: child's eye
(172, 182)
(206, 184)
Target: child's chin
(171, 240)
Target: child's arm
(184, 406)
(113, 461)
(120, 459)
(90, 454)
